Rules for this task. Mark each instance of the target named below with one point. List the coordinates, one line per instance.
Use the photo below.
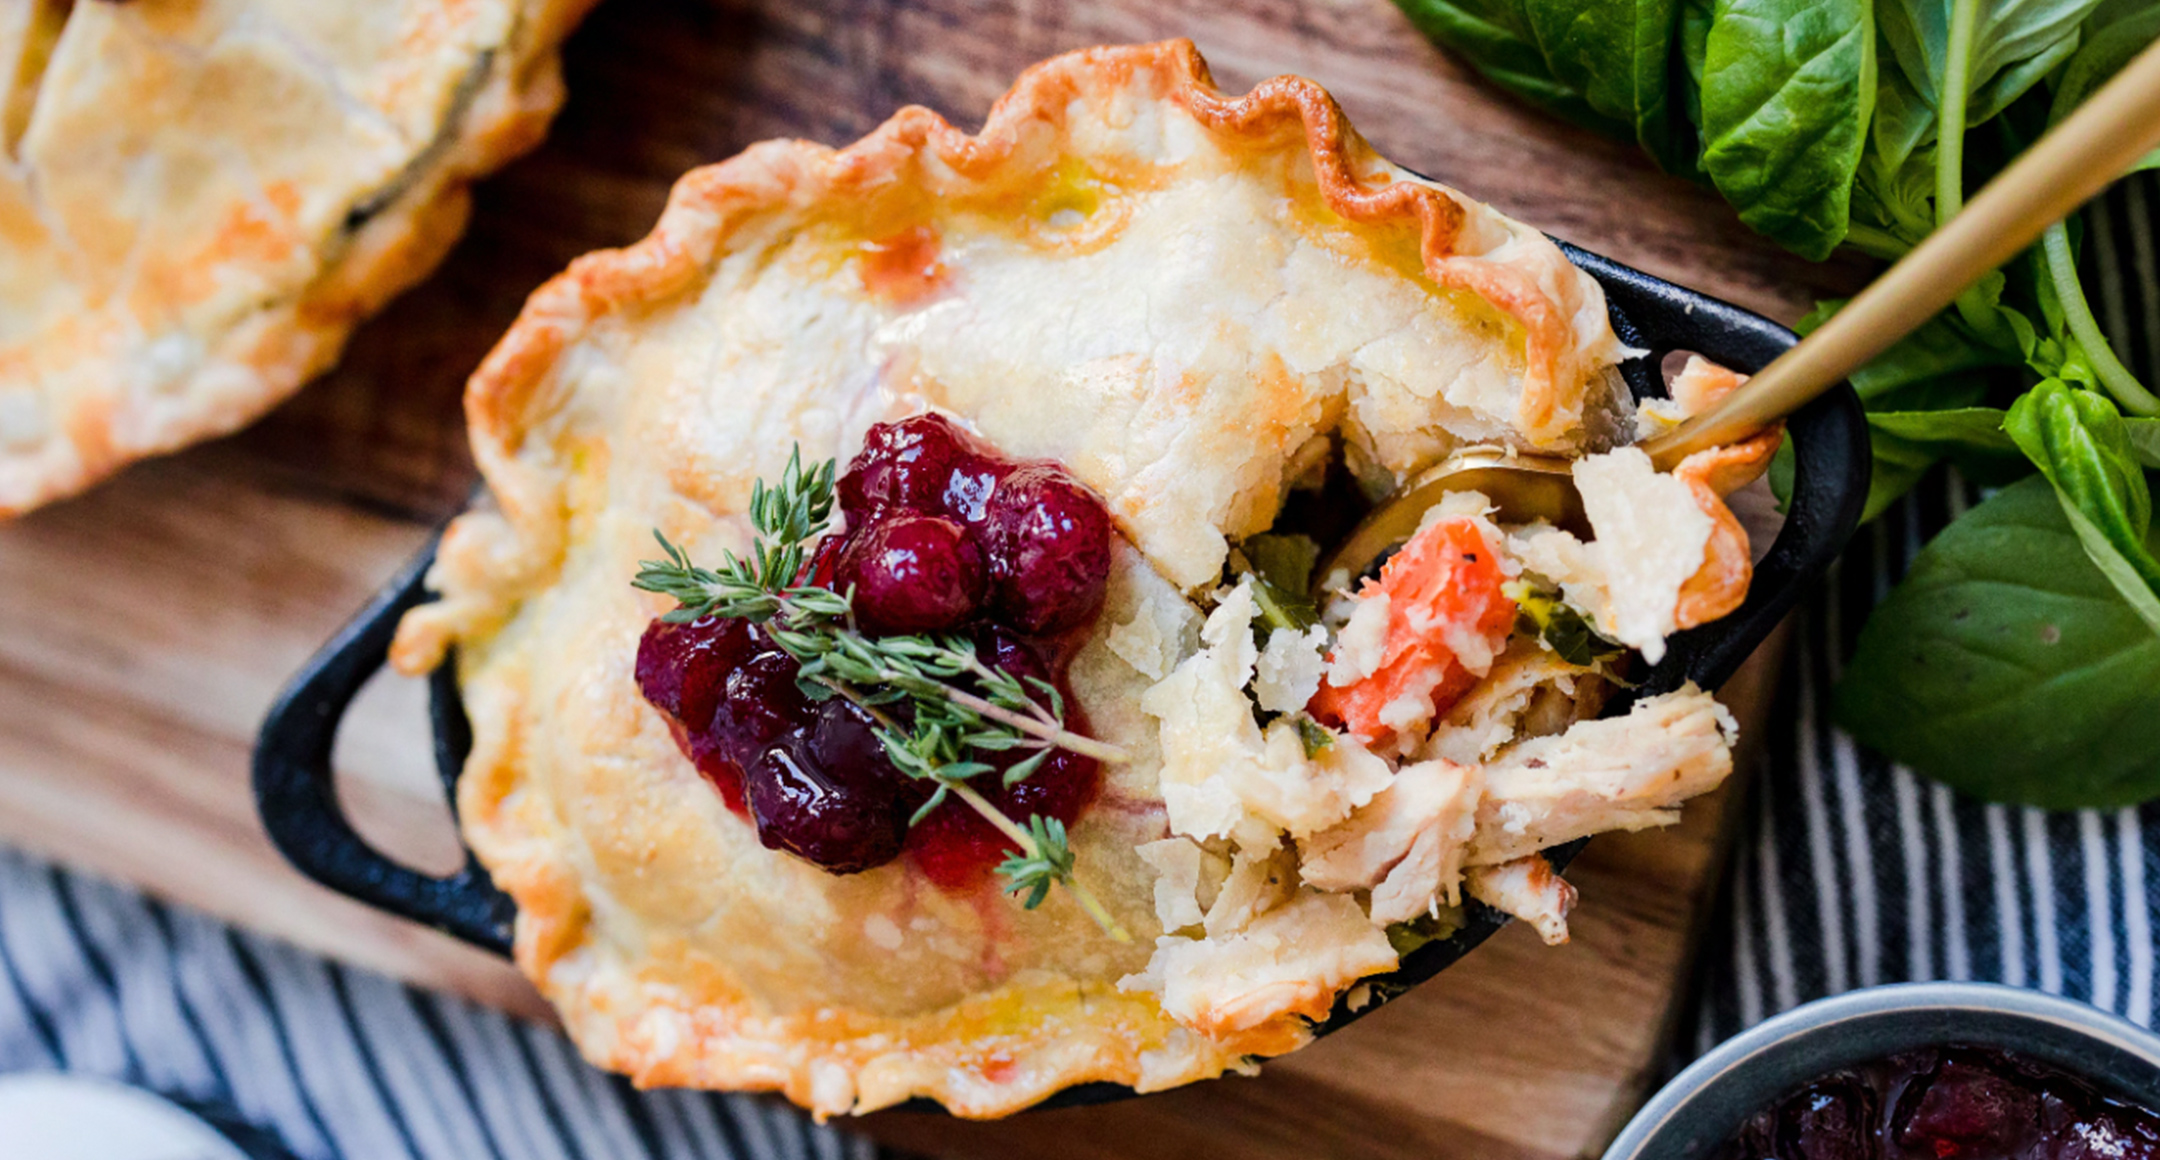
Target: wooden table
(145, 627)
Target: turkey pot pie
(1198, 307)
(199, 200)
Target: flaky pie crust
(634, 989)
(199, 201)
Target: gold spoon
(2065, 168)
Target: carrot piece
(1444, 597)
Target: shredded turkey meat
(1618, 773)
(1528, 889)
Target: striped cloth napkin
(1853, 871)
(338, 1063)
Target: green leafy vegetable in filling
(1540, 612)
(1425, 928)
(1314, 736)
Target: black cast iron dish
(1703, 1106)
(299, 805)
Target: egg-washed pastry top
(199, 199)
(1194, 303)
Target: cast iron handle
(296, 793)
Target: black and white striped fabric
(1853, 871)
(340, 1064)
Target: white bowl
(48, 1116)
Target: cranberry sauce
(944, 535)
(956, 847)
(1952, 1103)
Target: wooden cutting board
(145, 627)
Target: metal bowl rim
(1755, 1049)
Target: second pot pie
(199, 200)
(1130, 299)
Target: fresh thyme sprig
(949, 724)
(937, 754)
(767, 583)
(922, 668)
(1053, 862)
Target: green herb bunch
(938, 706)
(1866, 123)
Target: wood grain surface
(145, 627)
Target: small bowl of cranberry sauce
(1915, 1071)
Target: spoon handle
(2066, 167)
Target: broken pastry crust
(1167, 289)
(198, 202)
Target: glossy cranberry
(912, 573)
(943, 534)
(1950, 1103)
(843, 820)
(1048, 541)
(1831, 1119)
(681, 668)
(1060, 788)
(1065, 782)
(824, 560)
(842, 736)
(1967, 1109)
(999, 647)
(761, 702)
(2107, 1136)
(974, 480)
(904, 464)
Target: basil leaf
(1938, 357)
(1907, 443)
(1904, 124)
(2078, 441)
(1620, 53)
(1605, 66)
(2116, 33)
(1897, 468)
(1787, 90)
(1496, 37)
(1973, 428)
(1923, 391)
(2007, 666)
(1896, 198)
(1694, 47)
(2144, 437)
(2015, 44)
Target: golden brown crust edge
(707, 203)
(299, 339)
